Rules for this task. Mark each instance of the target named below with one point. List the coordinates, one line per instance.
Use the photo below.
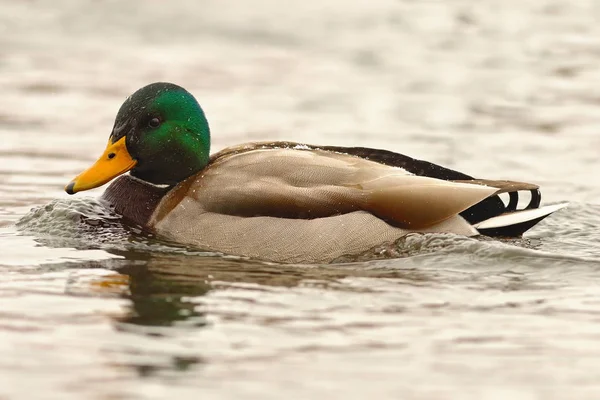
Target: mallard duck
(284, 201)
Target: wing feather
(287, 183)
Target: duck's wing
(286, 183)
(490, 207)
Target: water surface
(90, 308)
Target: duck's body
(289, 202)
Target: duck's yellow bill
(114, 162)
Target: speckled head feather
(166, 132)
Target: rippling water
(90, 308)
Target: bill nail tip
(69, 188)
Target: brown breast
(135, 200)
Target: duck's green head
(160, 134)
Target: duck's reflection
(162, 281)
(165, 285)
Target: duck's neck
(134, 199)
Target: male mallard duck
(282, 201)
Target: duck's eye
(154, 123)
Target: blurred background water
(90, 308)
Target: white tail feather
(518, 217)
